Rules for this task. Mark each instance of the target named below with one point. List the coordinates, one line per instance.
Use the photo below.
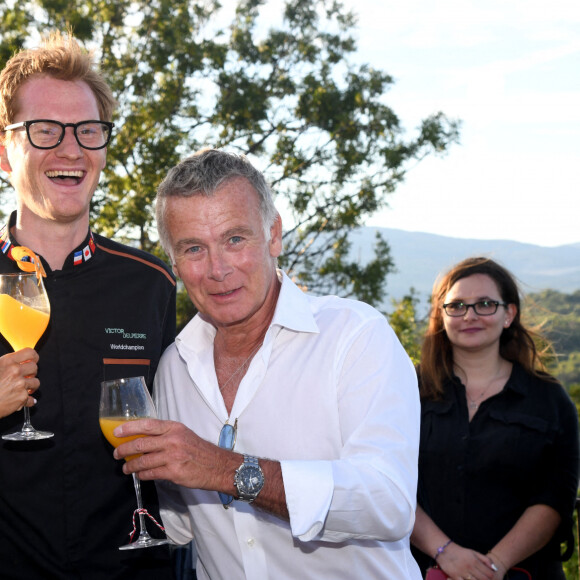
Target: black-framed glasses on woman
(48, 134)
(481, 308)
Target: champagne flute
(24, 314)
(128, 400)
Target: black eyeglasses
(227, 441)
(481, 308)
(48, 134)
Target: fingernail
(35, 401)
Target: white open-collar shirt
(332, 395)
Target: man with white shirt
(298, 414)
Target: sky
(510, 71)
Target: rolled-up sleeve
(369, 491)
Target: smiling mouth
(228, 293)
(65, 176)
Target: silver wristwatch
(249, 479)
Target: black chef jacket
(520, 449)
(65, 505)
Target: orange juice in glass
(21, 325)
(108, 425)
(24, 315)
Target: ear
(510, 312)
(275, 243)
(4, 163)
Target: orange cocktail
(108, 425)
(21, 325)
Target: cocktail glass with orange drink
(128, 400)
(24, 315)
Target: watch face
(251, 479)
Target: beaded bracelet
(441, 549)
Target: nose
(218, 266)
(69, 146)
(470, 308)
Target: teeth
(64, 174)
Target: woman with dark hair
(498, 461)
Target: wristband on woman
(441, 549)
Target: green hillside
(558, 316)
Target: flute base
(28, 435)
(145, 542)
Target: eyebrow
(480, 298)
(227, 234)
(186, 243)
(238, 230)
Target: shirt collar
(293, 311)
(78, 257)
(518, 379)
(516, 382)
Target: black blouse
(520, 449)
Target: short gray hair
(202, 174)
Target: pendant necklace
(241, 367)
(474, 403)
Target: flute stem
(143, 533)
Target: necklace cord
(473, 403)
(246, 361)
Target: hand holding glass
(128, 400)
(24, 315)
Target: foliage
(288, 96)
(409, 330)
(558, 316)
(185, 308)
(571, 565)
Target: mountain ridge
(420, 257)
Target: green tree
(558, 316)
(288, 96)
(408, 328)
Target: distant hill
(420, 257)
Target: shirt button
(251, 542)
